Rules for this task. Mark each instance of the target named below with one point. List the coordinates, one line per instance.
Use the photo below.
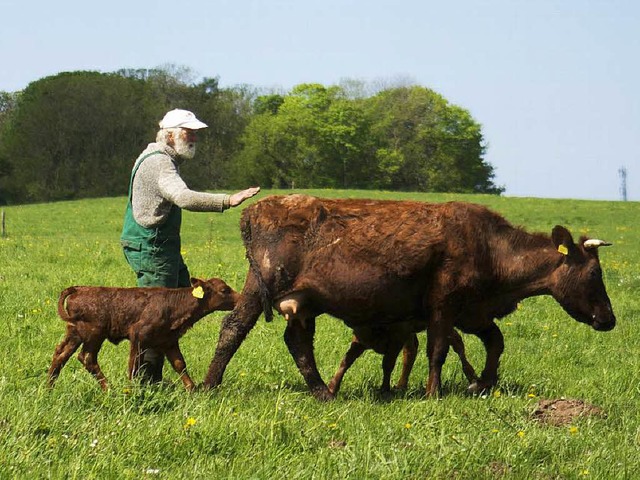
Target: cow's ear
(196, 281)
(563, 240)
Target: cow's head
(577, 284)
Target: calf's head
(577, 283)
(215, 294)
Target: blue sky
(554, 83)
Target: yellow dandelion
(573, 430)
(333, 425)
(190, 422)
(495, 430)
(520, 434)
(407, 425)
(584, 473)
(531, 395)
(497, 394)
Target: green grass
(262, 423)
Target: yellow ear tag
(198, 292)
(563, 250)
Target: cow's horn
(595, 243)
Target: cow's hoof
(324, 395)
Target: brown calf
(149, 317)
(388, 342)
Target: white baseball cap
(181, 118)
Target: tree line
(76, 135)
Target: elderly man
(157, 194)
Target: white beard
(184, 149)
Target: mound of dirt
(562, 411)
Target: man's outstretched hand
(237, 198)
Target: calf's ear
(196, 281)
(563, 241)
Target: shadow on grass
(366, 391)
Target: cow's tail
(62, 304)
(247, 239)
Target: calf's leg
(179, 365)
(299, 339)
(355, 350)
(494, 345)
(234, 329)
(63, 352)
(88, 356)
(389, 359)
(134, 358)
(458, 347)
(409, 354)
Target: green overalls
(154, 253)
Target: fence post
(4, 233)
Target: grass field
(262, 423)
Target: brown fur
(376, 263)
(150, 317)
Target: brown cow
(375, 263)
(149, 317)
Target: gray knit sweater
(157, 185)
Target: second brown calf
(389, 341)
(149, 317)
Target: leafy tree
(268, 104)
(404, 138)
(312, 137)
(76, 134)
(425, 144)
(7, 105)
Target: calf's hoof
(479, 387)
(323, 394)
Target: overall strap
(135, 169)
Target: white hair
(175, 139)
(164, 134)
